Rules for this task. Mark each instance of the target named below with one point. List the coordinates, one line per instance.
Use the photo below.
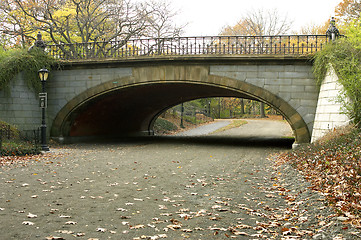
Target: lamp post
(209, 107)
(332, 31)
(182, 113)
(43, 74)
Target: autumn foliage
(333, 166)
(348, 10)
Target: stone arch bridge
(115, 97)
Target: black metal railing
(30, 136)
(5, 133)
(183, 46)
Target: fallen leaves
(18, 161)
(217, 201)
(334, 169)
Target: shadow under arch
(172, 91)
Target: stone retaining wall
(329, 110)
(21, 106)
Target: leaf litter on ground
(333, 167)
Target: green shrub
(14, 61)
(162, 125)
(5, 127)
(344, 55)
(19, 149)
(14, 146)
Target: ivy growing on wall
(344, 55)
(12, 62)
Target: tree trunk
(242, 106)
(262, 112)
(253, 108)
(219, 108)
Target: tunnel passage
(129, 105)
(131, 110)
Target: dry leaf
(65, 231)
(28, 223)
(122, 209)
(174, 226)
(240, 233)
(137, 226)
(54, 238)
(101, 230)
(30, 215)
(70, 223)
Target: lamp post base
(44, 145)
(45, 148)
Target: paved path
(164, 187)
(205, 129)
(260, 128)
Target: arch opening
(132, 109)
(218, 113)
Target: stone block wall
(65, 85)
(295, 84)
(329, 110)
(21, 106)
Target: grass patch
(234, 124)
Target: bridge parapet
(297, 45)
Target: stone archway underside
(129, 105)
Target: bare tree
(260, 22)
(315, 29)
(161, 22)
(161, 26)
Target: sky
(208, 17)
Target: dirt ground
(215, 187)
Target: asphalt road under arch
(213, 187)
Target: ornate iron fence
(183, 46)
